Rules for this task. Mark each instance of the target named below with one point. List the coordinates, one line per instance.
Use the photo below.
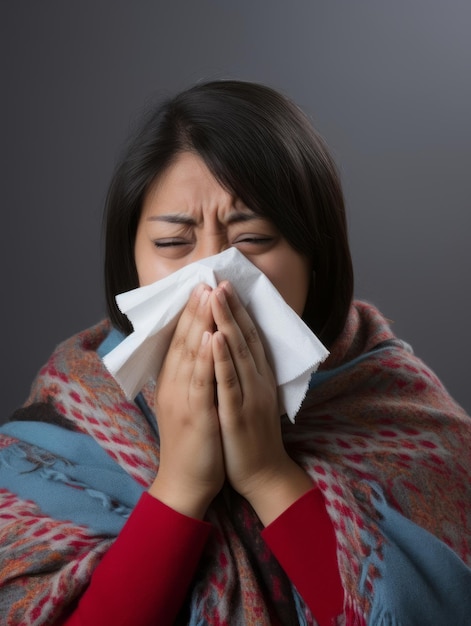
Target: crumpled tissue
(293, 350)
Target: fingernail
(204, 297)
(230, 291)
(227, 288)
(205, 338)
(221, 296)
(198, 290)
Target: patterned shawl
(377, 432)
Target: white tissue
(292, 349)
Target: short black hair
(261, 147)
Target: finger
(196, 317)
(190, 346)
(229, 391)
(241, 334)
(201, 393)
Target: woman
(233, 515)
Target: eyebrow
(183, 218)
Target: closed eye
(167, 243)
(253, 239)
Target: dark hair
(262, 148)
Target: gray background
(387, 84)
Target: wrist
(181, 498)
(276, 493)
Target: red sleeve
(144, 576)
(302, 539)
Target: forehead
(188, 184)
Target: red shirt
(144, 577)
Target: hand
(257, 464)
(191, 468)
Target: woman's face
(187, 216)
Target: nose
(210, 245)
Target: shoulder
(87, 340)
(365, 328)
(75, 359)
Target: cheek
(290, 275)
(148, 267)
(294, 290)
